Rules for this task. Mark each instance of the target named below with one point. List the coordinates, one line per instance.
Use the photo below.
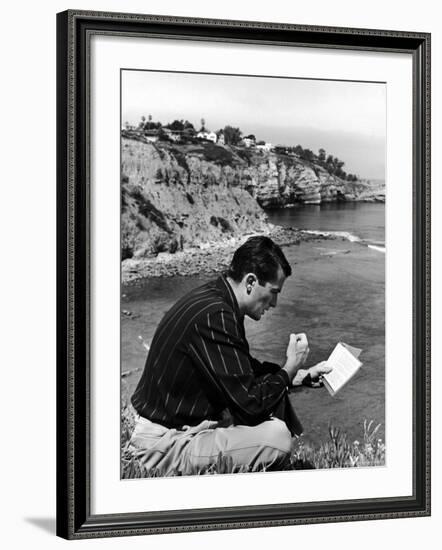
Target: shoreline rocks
(208, 258)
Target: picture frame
(75, 400)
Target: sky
(347, 119)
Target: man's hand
(297, 353)
(319, 369)
(315, 372)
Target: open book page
(356, 352)
(345, 363)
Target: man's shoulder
(207, 299)
(204, 299)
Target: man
(202, 393)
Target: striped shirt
(199, 364)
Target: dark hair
(259, 255)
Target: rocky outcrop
(277, 181)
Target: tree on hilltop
(232, 136)
(184, 126)
(308, 155)
(176, 125)
(339, 163)
(149, 125)
(189, 129)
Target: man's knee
(277, 436)
(266, 445)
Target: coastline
(210, 257)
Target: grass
(336, 452)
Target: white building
(205, 134)
(152, 135)
(249, 141)
(265, 147)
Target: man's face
(262, 297)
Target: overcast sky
(347, 119)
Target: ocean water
(336, 293)
(359, 221)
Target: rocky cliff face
(174, 199)
(180, 196)
(278, 180)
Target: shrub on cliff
(222, 222)
(217, 154)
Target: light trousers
(197, 448)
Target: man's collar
(223, 284)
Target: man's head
(257, 273)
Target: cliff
(277, 181)
(177, 196)
(181, 197)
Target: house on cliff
(152, 135)
(249, 141)
(264, 146)
(206, 134)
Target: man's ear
(250, 280)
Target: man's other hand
(297, 353)
(298, 349)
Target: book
(345, 364)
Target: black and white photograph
(252, 274)
(243, 275)
(222, 269)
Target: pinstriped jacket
(199, 364)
